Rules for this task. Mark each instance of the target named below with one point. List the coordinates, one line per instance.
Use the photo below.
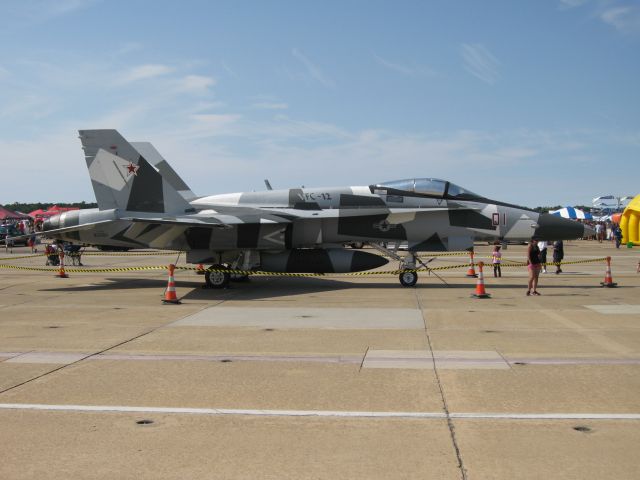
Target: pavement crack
(445, 407)
(364, 357)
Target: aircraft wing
(284, 214)
(228, 216)
(219, 221)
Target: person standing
(542, 246)
(558, 254)
(533, 265)
(496, 260)
(599, 232)
(617, 234)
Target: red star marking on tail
(131, 168)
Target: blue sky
(534, 102)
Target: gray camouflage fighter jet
(143, 203)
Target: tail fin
(151, 155)
(124, 175)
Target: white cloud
(312, 69)
(126, 48)
(204, 149)
(270, 106)
(196, 83)
(143, 72)
(566, 4)
(23, 162)
(27, 106)
(409, 70)
(622, 15)
(62, 7)
(21, 13)
(625, 19)
(480, 62)
(209, 125)
(228, 69)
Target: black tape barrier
(279, 274)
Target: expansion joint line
(79, 360)
(445, 407)
(94, 354)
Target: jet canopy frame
(432, 187)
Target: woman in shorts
(533, 266)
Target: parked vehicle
(11, 231)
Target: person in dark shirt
(558, 254)
(617, 235)
(533, 265)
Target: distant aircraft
(142, 203)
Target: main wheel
(215, 278)
(408, 279)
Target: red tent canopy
(37, 212)
(57, 209)
(54, 210)
(5, 214)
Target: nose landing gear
(408, 279)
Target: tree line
(30, 207)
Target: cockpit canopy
(429, 187)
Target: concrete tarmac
(328, 377)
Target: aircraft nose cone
(553, 227)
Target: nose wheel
(408, 279)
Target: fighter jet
(143, 203)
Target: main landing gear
(216, 277)
(219, 275)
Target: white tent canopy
(573, 213)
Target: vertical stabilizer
(124, 179)
(151, 155)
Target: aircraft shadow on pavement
(274, 287)
(113, 284)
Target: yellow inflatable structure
(630, 222)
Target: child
(496, 259)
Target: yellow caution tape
(33, 255)
(282, 274)
(85, 270)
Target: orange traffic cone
(480, 291)
(170, 293)
(608, 280)
(61, 273)
(200, 269)
(471, 272)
